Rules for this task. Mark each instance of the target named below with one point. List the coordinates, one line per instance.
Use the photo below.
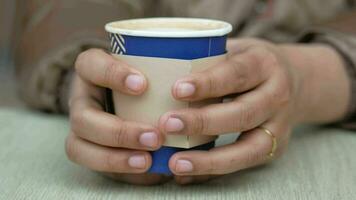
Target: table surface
(320, 164)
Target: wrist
(323, 89)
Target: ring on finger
(274, 141)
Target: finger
(188, 180)
(102, 69)
(239, 73)
(251, 150)
(91, 123)
(140, 179)
(81, 88)
(106, 159)
(244, 113)
(234, 46)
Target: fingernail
(134, 82)
(174, 125)
(137, 161)
(185, 89)
(184, 166)
(149, 139)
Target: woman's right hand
(102, 141)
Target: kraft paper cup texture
(175, 38)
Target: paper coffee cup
(164, 40)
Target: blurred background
(7, 83)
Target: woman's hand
(275, 87)
(101, 141)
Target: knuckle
(254, 157)
(84, 57)
(241, 82)
(70, 149)
(81, 58)
(74, 117)
(90, 53)
(115, 74)
(285, 97)
(93, 51)
(210, 85)
(110, 73)
(288, 92)
(237, 70)
(119, 133)
(263, 55)
(255, 55)
(75, 121)
(271, 57)
(78, 120)
(200, 122)
(245, 118)
(112, 163)
(283, 93)
(218, 167)
(235, 65)
(212, 166)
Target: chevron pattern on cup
(117, 44)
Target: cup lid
(170, 27)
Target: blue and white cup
(178, 38)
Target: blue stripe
(160, 158)
(179, 48)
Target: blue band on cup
(178, 48)
(160, 158)
(165, 47)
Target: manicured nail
(174, 125)
(185, 89)
(137, 161)
(184, 166)
(134, 82)
(149, 139)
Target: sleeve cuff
(49, 83)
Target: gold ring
(274, 141)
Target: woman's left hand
(268, 89)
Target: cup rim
(222, 28)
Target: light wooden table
(320, 164)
